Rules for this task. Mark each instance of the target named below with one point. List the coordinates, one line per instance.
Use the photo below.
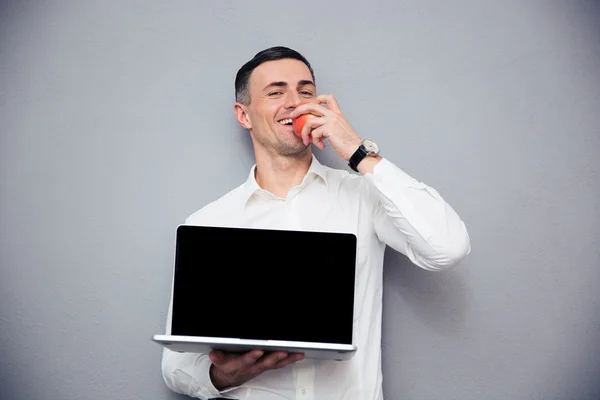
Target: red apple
(299, 122)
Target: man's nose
(293, 100)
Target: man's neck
(279, 174)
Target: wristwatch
(367, 148)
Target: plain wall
(117, 122)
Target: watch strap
(357, 157)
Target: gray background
(117, 122)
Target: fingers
(315, 109)
(277, 360)
(330, 101)
(218, 357)
(230, 369)
(232, 362)
(291, 358)
(312, 133)
(318, 137)
(270, 360)
(251, 357)
(325, 105)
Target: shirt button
(303, 391)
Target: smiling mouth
(287, 121)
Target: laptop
(238, 289)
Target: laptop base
(318, 351)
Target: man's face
(276, 89)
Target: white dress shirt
(385, 207)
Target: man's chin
(293, 149)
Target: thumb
(217, 357)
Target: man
(289, 189)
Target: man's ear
(242, 116)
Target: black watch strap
(357, 157)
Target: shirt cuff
(203, 385)
(211, 388)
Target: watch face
(371, 146)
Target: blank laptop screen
(264, 284)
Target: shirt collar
(316, 169)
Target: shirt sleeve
(414, 219)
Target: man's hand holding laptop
(234, 369)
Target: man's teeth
(286, 121)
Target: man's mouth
(286, 121)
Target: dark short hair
(242, 78)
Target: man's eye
(306, 93)
(274, 93)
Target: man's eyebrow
(303, 82)
(275, 84)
